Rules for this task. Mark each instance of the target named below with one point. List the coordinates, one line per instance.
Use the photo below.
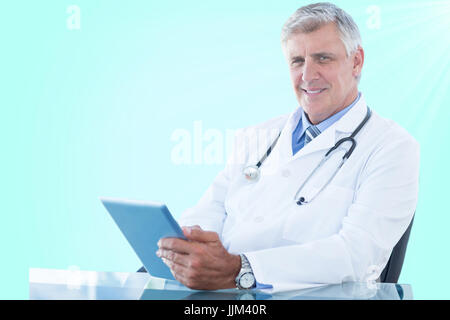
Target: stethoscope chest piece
(251, 173)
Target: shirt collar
(322, 126)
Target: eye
(324, 58)
(297, 61)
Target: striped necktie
(310, 133)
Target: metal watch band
(244, 263)
(245, 269)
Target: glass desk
(49, 284)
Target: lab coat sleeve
(384, 204)
(209, 212)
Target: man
(289, 228)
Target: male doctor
(256, 233)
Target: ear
(358, 61)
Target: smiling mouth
(312, 93)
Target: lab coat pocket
(320, 218)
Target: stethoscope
(252, 173)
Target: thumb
(196, 233)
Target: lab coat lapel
(285, 141)
(349, 122)
(343, 127)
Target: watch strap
(245, 268)
(245, 264)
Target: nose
(310, 72)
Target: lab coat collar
(350, 121)
(327, 139)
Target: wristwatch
(245, 279)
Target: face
(323, 77)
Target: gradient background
(90, 112)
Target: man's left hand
(201, 262)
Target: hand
(201, 262)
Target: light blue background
(90, 112)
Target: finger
(187, 229)
(186, 276)
(171, 256)
(192, 227)
(175, 244)
(179, 273)
(197, 234)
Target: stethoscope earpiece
(300, 201)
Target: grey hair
(311, 17)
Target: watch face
(247, 280)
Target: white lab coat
(347, 233)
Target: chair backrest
(391, 272)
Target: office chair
(391, 272)
(142, 269)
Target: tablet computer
(143, 224)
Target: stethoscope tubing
(252, 172)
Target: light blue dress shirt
(298, 135)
